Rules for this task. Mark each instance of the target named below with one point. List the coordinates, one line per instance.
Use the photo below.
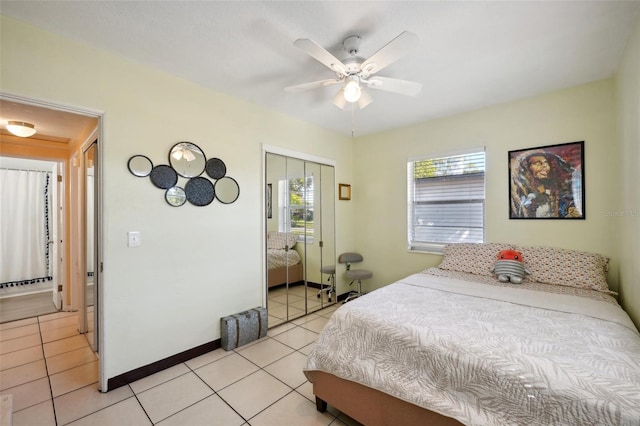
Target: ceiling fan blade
(319, 53)
(365, 99)
(391, 52)
(339, 100)
(394, 85)
(311, 85)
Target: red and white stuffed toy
(510, 267)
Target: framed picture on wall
(344, 191)
(547, 182)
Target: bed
(454, 345)
(284, 263)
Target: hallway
(19, 307)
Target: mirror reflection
(187, 159)
(300, 237)
(227, 190)
(140, 165)
(91, 283)
(175, 196)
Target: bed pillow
(475, 258)
(551, 265)
(278, 240)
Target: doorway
(29, 266)
(60, 134)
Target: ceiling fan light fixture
(185, 153)
(177, 154)
(188, 155)
(21, 129)
(352, 89)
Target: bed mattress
(488, 355)
(277, 258)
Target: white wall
(584, 113)
(628, 222)
(26, 164)
(195, 264)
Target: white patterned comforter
(488, 355)
(281, 257)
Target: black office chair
(354, 274)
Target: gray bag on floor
(242, 328)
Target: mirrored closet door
(91, 233)
(300, 240)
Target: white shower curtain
(24, 227)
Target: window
(296, 202)
(445, 200)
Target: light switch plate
(133, 239)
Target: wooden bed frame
(277, 276)
(369, 406)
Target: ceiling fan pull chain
(353, 119)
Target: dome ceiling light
(21, 129)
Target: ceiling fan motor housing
(352, 44)
(352, 65)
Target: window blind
(446, 198)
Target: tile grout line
(46, 368)
(221, 399)
(291, 389)
(212, 390)
(135, 395)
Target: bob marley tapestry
(547, 182)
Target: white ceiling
(471, 54)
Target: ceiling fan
(354, 73)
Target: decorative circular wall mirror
(199, 191)
(140, 165)
(163, 176)
(215, 168)
(175, 196)
(227, 190)
(187, 159)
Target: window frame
(307, 234)
(431, 247)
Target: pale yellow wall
(584, 113)
(195, 264)
(628, 222)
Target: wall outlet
(133, 239)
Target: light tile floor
(52, 375)
(286, 304)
